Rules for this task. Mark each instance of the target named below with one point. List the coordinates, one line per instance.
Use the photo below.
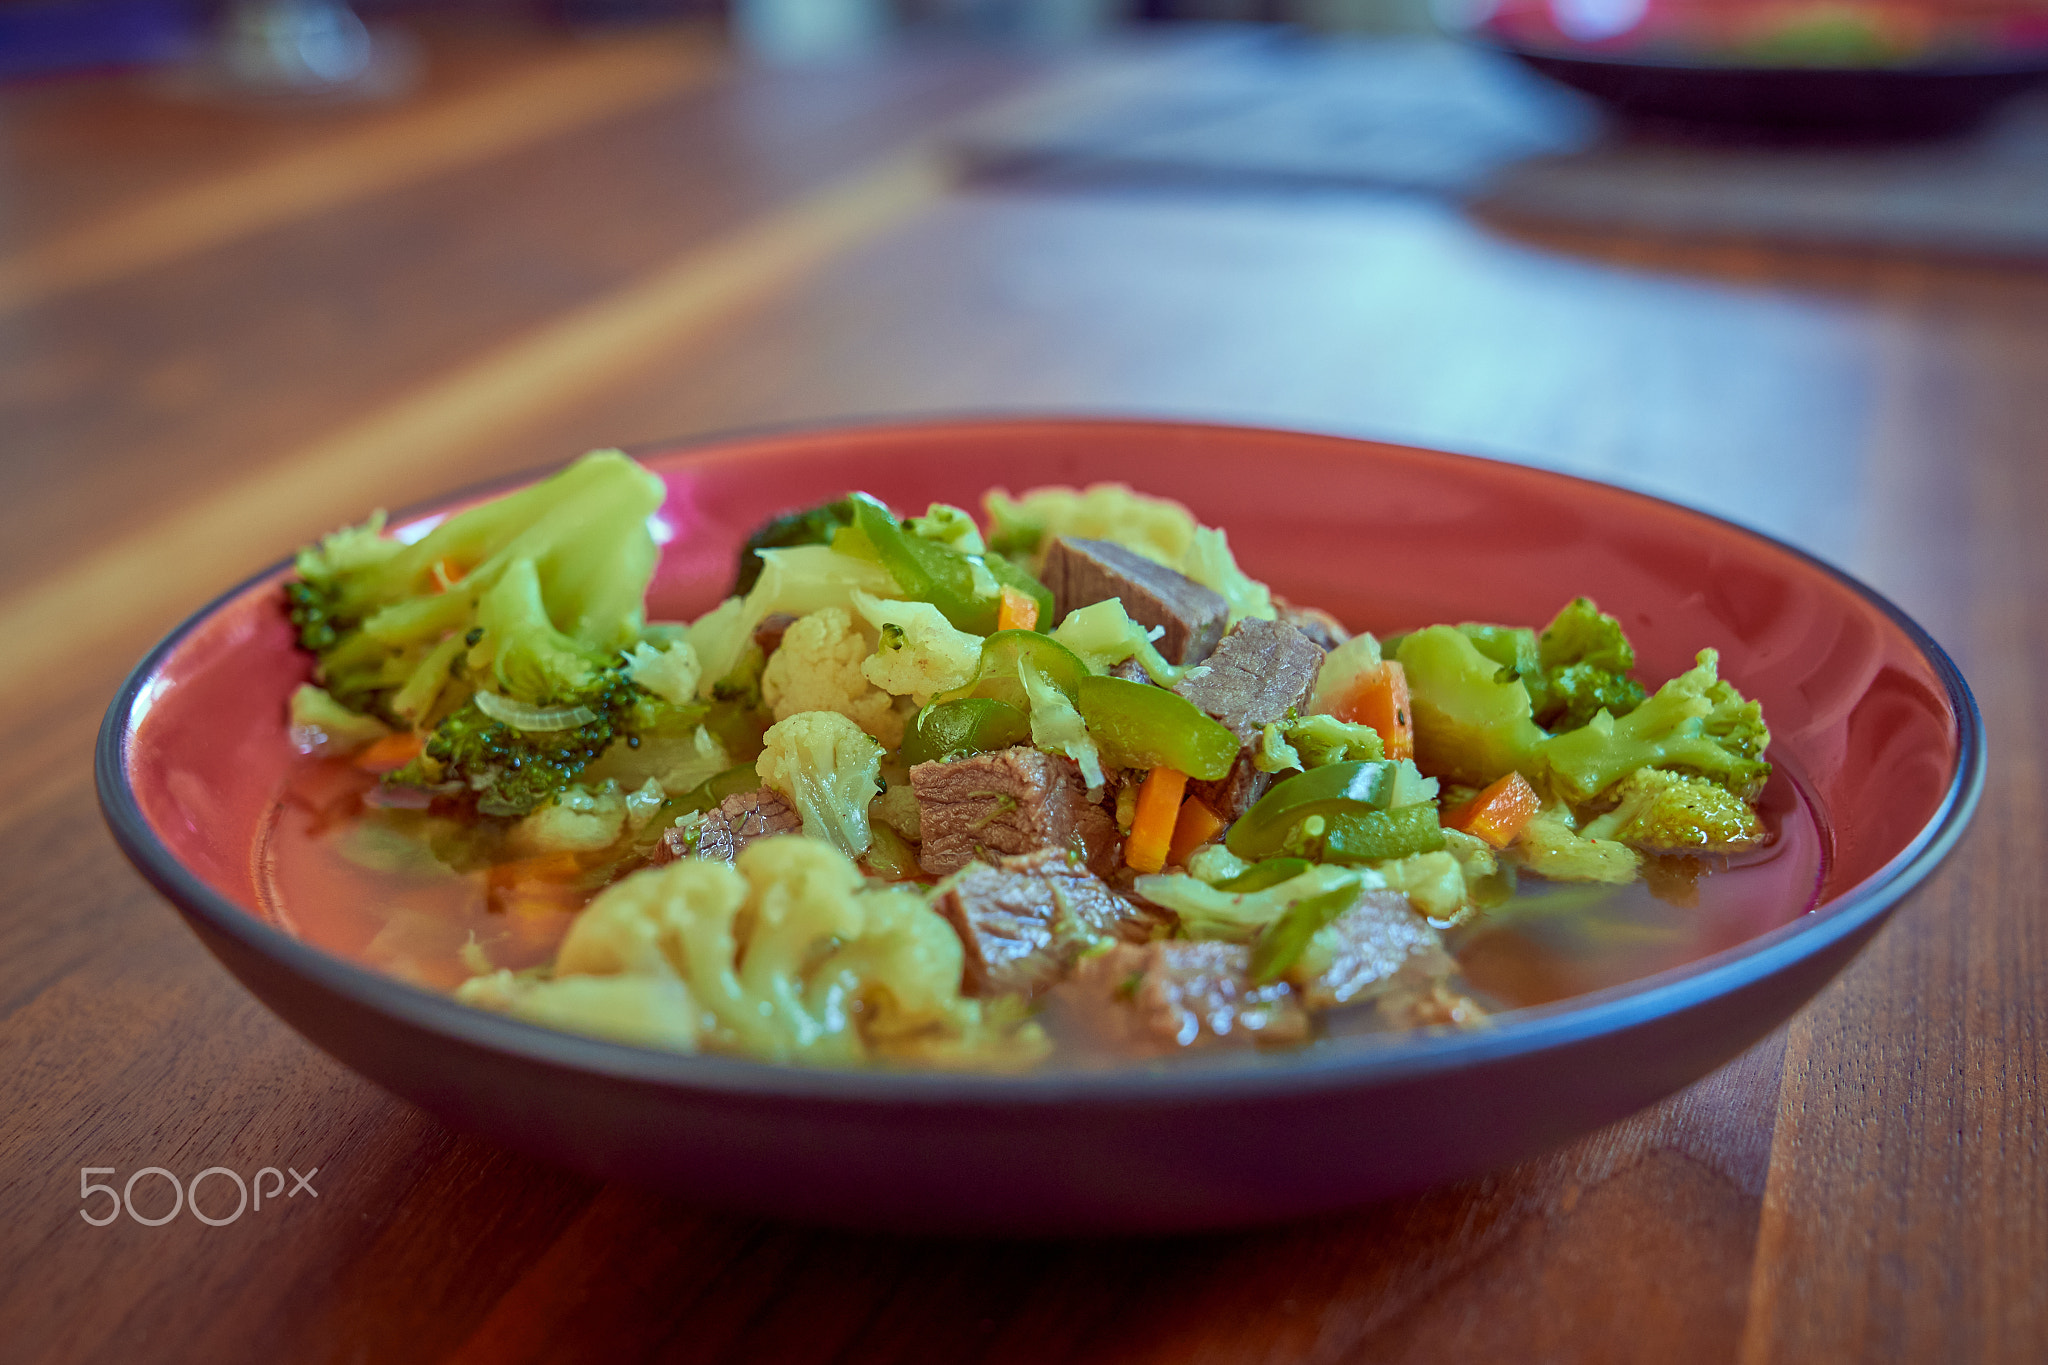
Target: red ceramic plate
(1877, 741)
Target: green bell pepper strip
(936, 573)
(1381, 834)
(1281, 942)
(968, 725)
(1333, 789)
(707, 794)
(998, 674)
(1259, 876)
(1137, 725)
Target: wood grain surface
(223, 331)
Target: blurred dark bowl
(1861, 101)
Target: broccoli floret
(1695, 724)
(1470, 725)
(374, 611)
(513, 771)
(1583, 664)
(812, 526)
(497, 635)
(1550, 846)
(1664, 812)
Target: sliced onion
(520, 716)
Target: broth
(366, 884)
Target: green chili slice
(1281, 942)
(969, 725)
(1333, 789)
(999, 673)
(1376, 835)
(1137, 725)
(925, 569)
(1259, 876)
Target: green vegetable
(1375, 836)
(1208, 912)
(967, 588)
(947, 525)
(1335, 789)
(1322, 740)
(812, 526)
(511, 771)
(1262, 875)
(966, 725)
(1470, 726)
(997, 675)
(1664, 812)
(1584, 661)
(1694, 723)
(1137, 725)
(1282, 941)
(1103, 634)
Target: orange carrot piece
(1380, 699)
(391, 753)
(1158, 812)
(1019, 611)
(1197, 825)
(1499, 813)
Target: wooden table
(222, 332)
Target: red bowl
(1871, 720)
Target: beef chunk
(1321, 627)
(1173, 994)
(1237, 791)
(1130, 670)
(1008, 802)
(1080, 573)
(1024, 919)
(739, 820)
(1377, 939)
(1260, 672)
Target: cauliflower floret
(818, 668)
(787, 956)
(828, 768)
(920, 653)
(1551, 846)
(577, 821)
(672, 674)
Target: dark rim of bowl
(2016, 63)
(1353, 1061)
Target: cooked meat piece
(1080, 573)
(768, 635)
(1009, 802)
(743, 818)
(1236, 792)
(1024, 919)
(1173, 994)
(1326, 630)
(1261, 671)
(1130, 670)
(1377, 939)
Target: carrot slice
(1498, 813)
(1197, 825)
(391, 753)
(1017, 612)
(1152, 826)
(1380, 699)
